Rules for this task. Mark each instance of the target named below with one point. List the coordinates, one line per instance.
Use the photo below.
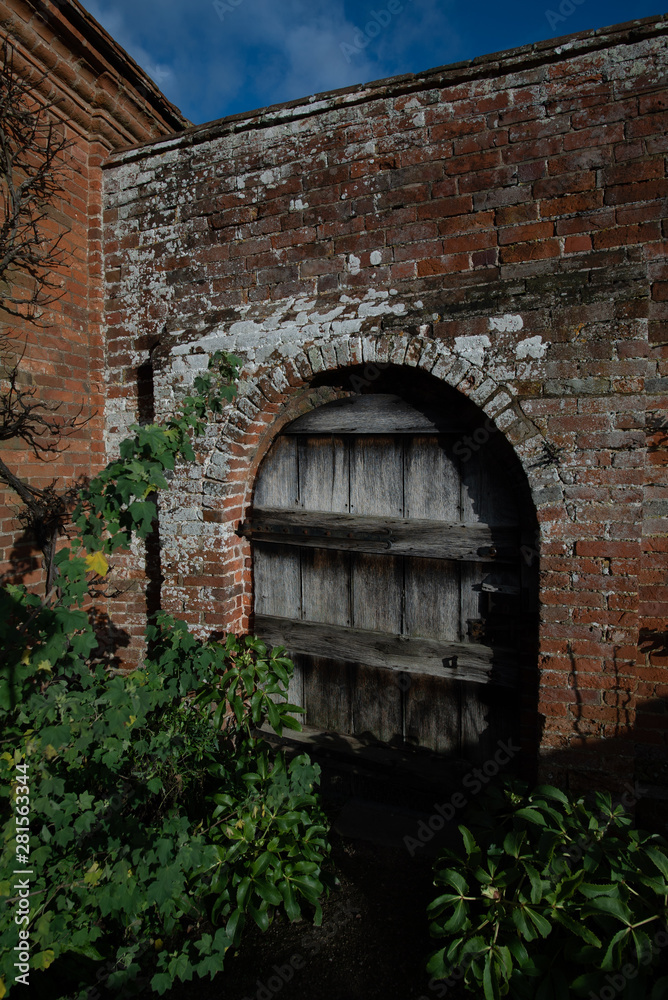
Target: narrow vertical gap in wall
(153, 560)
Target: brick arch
(282, 389)
(280, 392)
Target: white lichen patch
(532, 347)
(510, 323)
(292, 322)
(473, 348)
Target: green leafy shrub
(157, 815)
(551, 898)
(158, 821)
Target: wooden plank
(482, 496)
(470, 491)
(377, 584)
(375, 414)
(503, 608)
(276, 484)
(324, 477)
(431, 480)
(397, 652)
(326, 586)
(497, 501)
(487, 493)
(277, 586)
(432, 713)
(477, 738)
(277, 580)
(424, 770)
(327, 696)
(376, 704)
(432, 606)
(471, 602)
(475, 542)
(296, 685)
(376, 476)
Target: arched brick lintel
(280, 391)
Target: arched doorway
(387, 537)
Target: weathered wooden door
(386, 559)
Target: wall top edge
(494, 64)
(84, 36)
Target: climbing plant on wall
(147, 819)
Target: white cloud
(266, 52)
(115, 23)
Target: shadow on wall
(25, 562)
(634, 762)
(26, 569)
(633, 767)
(153, 559)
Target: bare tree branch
(23, 415)
(32, 166)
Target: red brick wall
(106, 103)
(519, 199)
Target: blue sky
(218, 57)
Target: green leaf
(274, 717)
(470, 845)
(592, 891)
(550, 792)
(642, 943)
(609, 960)
(614, 907)
(161, 982)
(659, 858)
(291, 905)
(458, 919)
(235, 925)
(453, 878)
(577, 927)
(262, 863)
(260, 916)
(542, 925)
(535, 881)
(243, 890)
(490, 980)
(267, 891)
(513, 843)
(532, 815)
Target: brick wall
(499, 225)
(105, 103)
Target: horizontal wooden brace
(376, 414)
(457, 661)
(391, 535)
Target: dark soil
(372, 945)
(374, 940)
